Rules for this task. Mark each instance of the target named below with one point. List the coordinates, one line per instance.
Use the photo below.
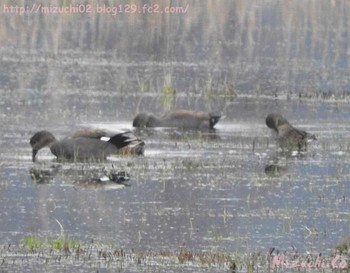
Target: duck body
(184, 119)
(86, 145)
(82, 149)
(288, 136)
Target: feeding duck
(288, 136)
(86, 145)
(183, 119)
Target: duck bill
(34, 155)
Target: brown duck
(289, 137)
(183, 119)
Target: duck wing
(119, 139)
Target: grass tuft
(169, 94)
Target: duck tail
(311, 137)
(121, 140)
(125, 139)
(214, 118)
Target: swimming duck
(183, 119)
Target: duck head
(40, 140)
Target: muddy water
(199, 190)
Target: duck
(184, 119)
(86, 144)
(289, 137)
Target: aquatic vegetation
(70, 252)
(169, 94)
(229, 92)
(33, 243)
(342, 248)
(100, 255)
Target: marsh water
(193, 190)
(206, 191)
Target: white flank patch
(294, 153)
(105, 138)
(104, 178)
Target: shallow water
(198, 190)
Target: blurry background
(259, 47)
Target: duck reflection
(177, 134)
(43, 175)
(275, 170)
(81, 177)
